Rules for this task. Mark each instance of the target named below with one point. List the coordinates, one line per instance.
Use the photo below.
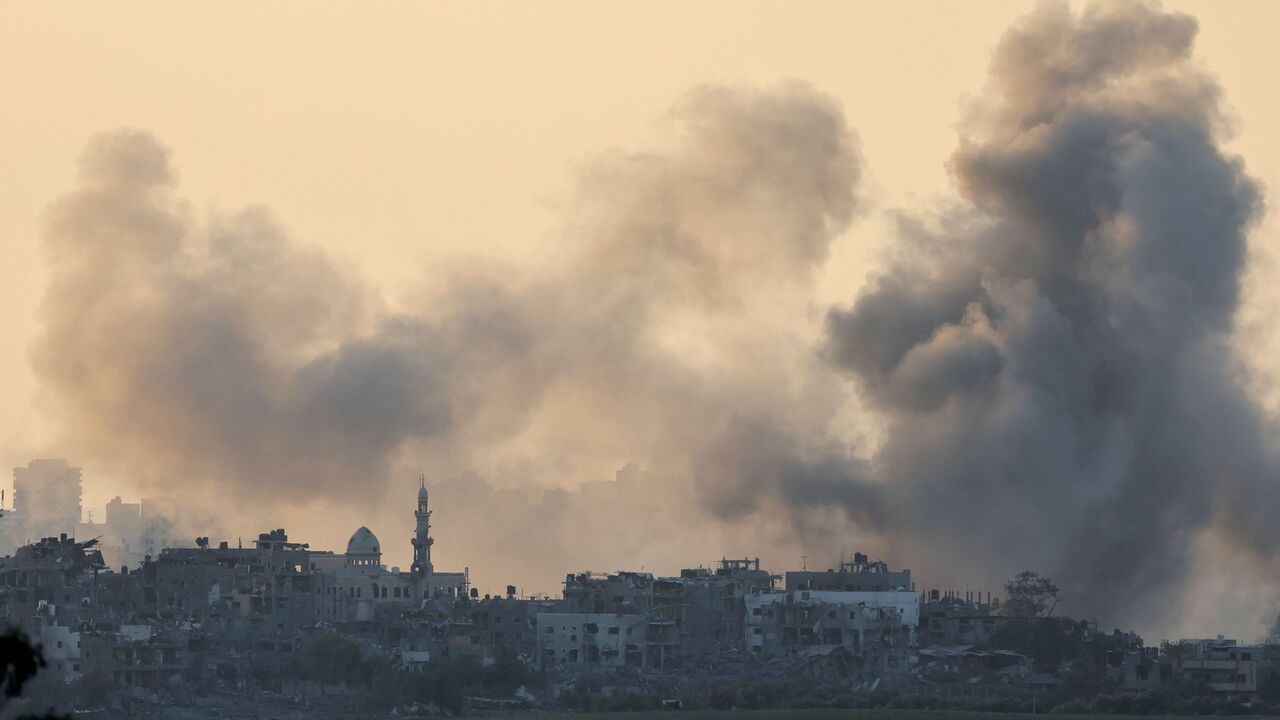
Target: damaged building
(247, 614)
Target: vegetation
(332, 660)
(20, 663)
(1029, 594)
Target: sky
(412, 143)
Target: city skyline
(976, 288)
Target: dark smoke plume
(224, 354)
(1054, 361)
(1051, 363)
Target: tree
(332, 659)
(1029, 594)
(1175, 650)
(508, 671)
(20, 661)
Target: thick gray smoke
(1053, 361)
(216, 355)
(663, 330)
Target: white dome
(363, 542)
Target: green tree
(331, 659)
(1029, 594)
(508, 671)
(1175, 650)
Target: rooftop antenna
(804, 562)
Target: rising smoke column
(219, 354)
(1054, 360)
(668, 326)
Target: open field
(835, 714)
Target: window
(613, 630)
(1246, 656)
(550, 629)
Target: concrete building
(620, 592)
(585, 640)
(61, 649)
(860, 574)
(879, 633)
(46, 498)
(272, 588)
(862, 608)
(953, 619)
(498, 622)
(1138, 669)
(122, 544)
(362, 587)
(1225, 667)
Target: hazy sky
(402, 136)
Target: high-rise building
(123, 542)
(46, 497)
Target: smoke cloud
(671, 325)
(1053, 359)
(1050, 361)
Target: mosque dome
(422, 494)
(363, 542)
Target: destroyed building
(859, 574)
(1223, 666)
(952, 618)
(151, 625)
